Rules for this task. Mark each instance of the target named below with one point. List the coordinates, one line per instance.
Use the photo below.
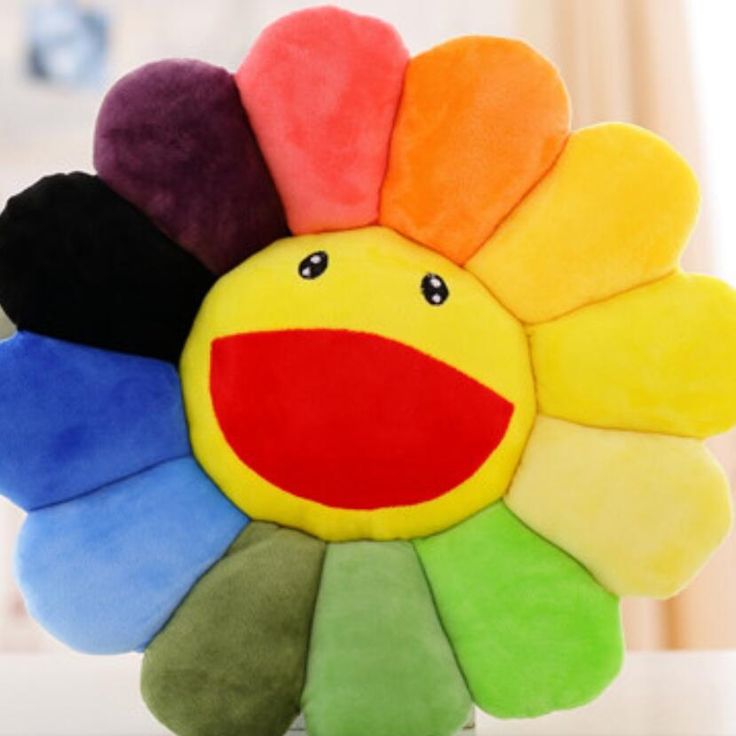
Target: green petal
(231, 661)
(380, 663)
(532, 630)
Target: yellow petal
(614, 212)
(642, 512)
(660, 358)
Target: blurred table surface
(657, 694)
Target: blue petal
(75, 418)
(104, 572)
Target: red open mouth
(349, 419)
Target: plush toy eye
(313, 265)
(434, 289)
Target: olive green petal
(232, 659)
(379, 662)
(532, 630)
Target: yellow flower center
(357, 385)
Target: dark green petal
(379, 661)
(231, 661)
(532, 630)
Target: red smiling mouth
(349, 419)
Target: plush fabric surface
(232, 659)
(173, 139)
(615, 212)
(595, 492)
(532, 630)
(79, 263)
(463, 268)
(306, 434)
(481, 120)
(74, 418)
(104, 572)
(321, 87)
(372, 283)
(379, 660)
(659, 358)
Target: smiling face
(356, 385)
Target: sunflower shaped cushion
(357, 385)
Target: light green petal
(532, 630)
(380, 663)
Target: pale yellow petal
(642, 512)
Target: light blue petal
(74, 418)
(104, 572)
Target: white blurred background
(665, 64)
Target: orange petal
(321, 88)
(480, 121)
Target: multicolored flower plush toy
(359, 385)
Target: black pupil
(313, 265)
(434, 289)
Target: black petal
(77, 262)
